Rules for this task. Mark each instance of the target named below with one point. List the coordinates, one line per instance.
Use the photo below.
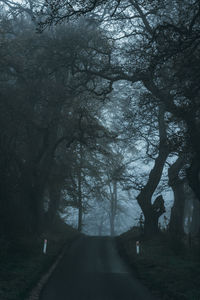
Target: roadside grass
(167, 267)
(22, 262)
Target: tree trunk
(151, 224)
(80, 204)
(54, 202)
(113, 208)
(31, 193)
(193, 176)
(80, 211)
(176, 224)
(112, 227)
(38, 209)
(195, 226)
(152, 212)
(100, 227)
(193, 172)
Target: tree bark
(195, 226)
(151, 223)
(54, 202)
(152, 212)
(113, 210)
(80, 204)
(193, 176)
(193, 172)
(176, 225)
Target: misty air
(99, 150)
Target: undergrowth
(168, 267)
(22, 261)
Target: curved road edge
(34, 294)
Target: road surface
(93, 270)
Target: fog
(100, 144)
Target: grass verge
(167, 267)
(22, 262)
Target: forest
(100, 118)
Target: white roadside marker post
(138, 247)
(45, 247)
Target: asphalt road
(93, 270)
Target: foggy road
(93, 270)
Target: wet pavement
(93, 270)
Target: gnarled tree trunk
(152, 212)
